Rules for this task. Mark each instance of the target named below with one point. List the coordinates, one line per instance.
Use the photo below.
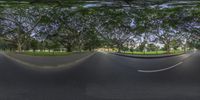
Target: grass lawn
(153, 52)
(47, 53)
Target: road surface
(105, 77)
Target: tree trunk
(119, 48)
(79, 48)
(69, 48)
(90, 49)
(19, 47)
(185, 49)
(53, 52)
(34, 50)
(168, 48)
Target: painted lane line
(159, 70)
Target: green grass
(47, 53)
(153, 52)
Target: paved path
(104, 77)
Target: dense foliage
(86, 27)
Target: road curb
(146, 57)
(66, 65)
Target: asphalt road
(105, 77)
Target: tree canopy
(82, 25)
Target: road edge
(148, 56)
(65, 65)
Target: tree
(151, 47)
(19, 24)
(92, 40)
(34, 44)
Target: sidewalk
(50, 61)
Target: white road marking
(159, 70)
